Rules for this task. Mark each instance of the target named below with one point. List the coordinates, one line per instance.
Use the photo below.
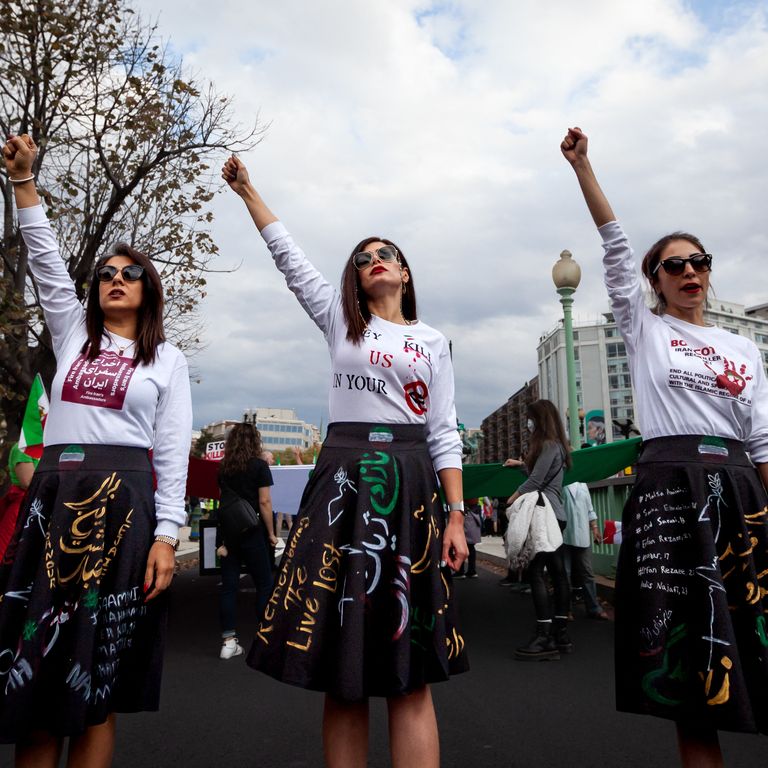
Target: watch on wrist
(168, 540)
(456, 506)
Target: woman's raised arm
(314, 292)
(63, 312)
(19, 154)
(574, 149)
(236, 175)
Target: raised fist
(574, 145)
(19, 153)
(235, 174)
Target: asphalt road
(502, 713)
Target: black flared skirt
(362, 606)
(692, 587)
(77, 639)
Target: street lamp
(566, 275)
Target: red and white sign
(102, 382)
(214, 451)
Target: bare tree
(126, 137)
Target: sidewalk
(188, 550)
(491, 549)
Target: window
(761, 338)
(616, 349)
(619, 381)
(576, 353)
(618, 366)
(611, 332)
(575, 335)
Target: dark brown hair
(548, 429)
(353, 302)
(150, 316)
(652, 258)
(243, 444)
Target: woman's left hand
(160, 566)
(455, 550)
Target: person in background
(21, 467)
(473, 523)
(580, 530)
(244, 473)
(546, 461)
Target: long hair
(548, 428)
(243, 444)
(652, 258)
(150, 317)
(353, 300)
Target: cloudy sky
(438, 126)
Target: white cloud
(439, 126)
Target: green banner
(589, 465)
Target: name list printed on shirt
(716, 374)
(102, 382)
(661, 523)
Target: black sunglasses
(701, 262)
(386, 253)
(131, 273)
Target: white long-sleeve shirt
(689, 379)
(399, 374)
(108, 401)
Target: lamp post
(566, 275)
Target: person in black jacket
(245, 474)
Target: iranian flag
(612, 532)
(31, 438)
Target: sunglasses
(701, 262)
(130, 273)
(364, 259)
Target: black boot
(562, 638)
(540, 647)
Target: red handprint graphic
(730, 379)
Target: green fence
(608, 498)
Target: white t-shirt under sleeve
(688, 379)
(108, 401)
(398, 374)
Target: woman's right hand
(235, 174)
(513, 463)
(574, 146)
(273, 540)
(19, 153)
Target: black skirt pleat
(77, 640)
(692, 587)
(361, 606)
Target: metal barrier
(608, 499)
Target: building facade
(504, 432)
(603, 384)
(280, 428)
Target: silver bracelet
(21, 181)
(168, 540)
